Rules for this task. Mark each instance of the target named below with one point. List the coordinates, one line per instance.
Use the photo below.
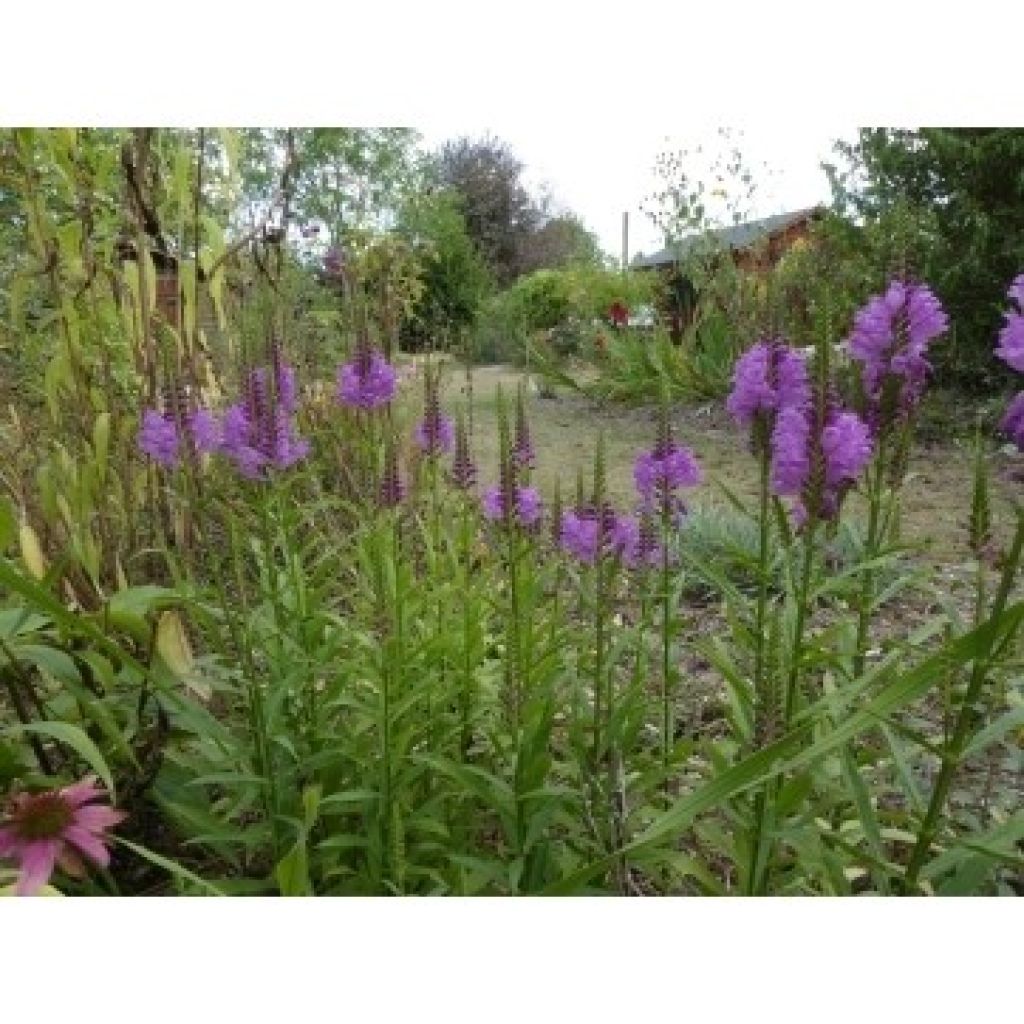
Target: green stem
(866, 596)
(666, 646)
(761, 704)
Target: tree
(954, 197)
(560, 242)
(500, 214)
(454, 278)
(342, 179)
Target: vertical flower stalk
(659, 474)
(890, 340)
(368, 381)
(769, 379)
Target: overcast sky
(599, 173)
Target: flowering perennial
(58, 827)
(369, 381)
(1011, 337)
(890, 340)
(158, 438)
(768, 378)
(518, 504)
(818, 466)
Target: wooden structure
(756, 245)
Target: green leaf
(292, 871)
(73, 737)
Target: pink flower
(57, 827)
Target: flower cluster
(817, 466)
(664, 470)
(516, 504)
(369, 381)
(158, 438)
(890, 340)
(259, 432)
(769, 377)
(392, 489)
(58, 827)
(1010, 349)
(255, 433)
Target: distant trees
(514, 232)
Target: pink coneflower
(56, 828)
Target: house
(754, 245)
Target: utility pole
(625, 240)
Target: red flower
(618, 313)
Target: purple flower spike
(579, 536)
(158, 438)
(1013, 422)
(259, 432)
(768, 377)
(1011, 337)
(525, 505)
(791, 460)
(463, 472)
(846, 447)
(434, 436)
(368, 382)
(890, 338)
(205, 430)
(664, 470)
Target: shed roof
(737, 236)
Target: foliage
(514, 232)
(455, 280)
(962, 190)
(302, 684)
(500, 214)
(563, 311)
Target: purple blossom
(524, 505)
(767, 378)
(235, 428)
(1011, 337)
(846, 448)
(791, 459)
(205, 431)
(664, 470)
(435, 435)
(1011, 342)
(287, 391)
(368, 382)
(158, 438)
(1013, 422)
(890, 337)
(259, 432)
(580, 535)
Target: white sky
(598, 174)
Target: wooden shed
(755, 245)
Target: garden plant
(269, 626)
